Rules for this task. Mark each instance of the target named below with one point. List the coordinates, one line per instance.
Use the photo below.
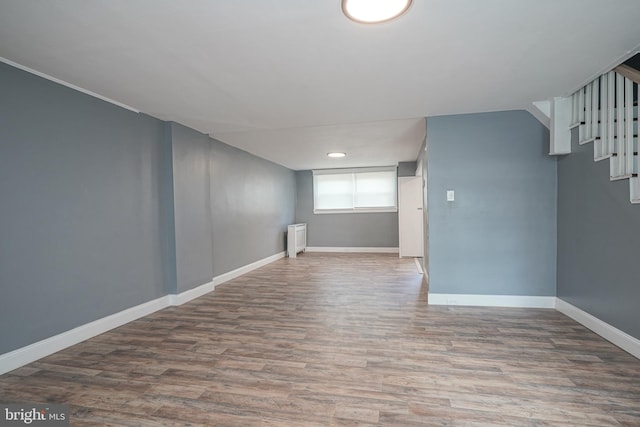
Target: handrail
(629, 72)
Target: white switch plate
(451, 195)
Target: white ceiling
(290, 80)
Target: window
(355, 190)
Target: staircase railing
(605, 111)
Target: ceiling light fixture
(374, 11)
(337, 155)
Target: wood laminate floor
(337, 340)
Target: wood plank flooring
(337, 340)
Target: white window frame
(353, 171)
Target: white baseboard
(194, 293)
(493, 300)
(370, 250)
(25, 355)
(419, 265)
(186, 296)
(605, 330)
(247, 268)
(31, 353)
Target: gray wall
(82, 234)
(192, 200)
(499, 235)
(342, 230)
(253, 201)
(231, 208)
(598, 244)
(104, 209)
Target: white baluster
(588, 106)
(595, 103)
(581, 114)
(611, 108)
(600, 147)
(618, 169)
(628, 122)
(634, 181)
(574, 111)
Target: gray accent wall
(342, 230)
(598, 241)
(231, 208)
(82, 234)
(192, 200)
(499, 235)
(252, 202)
(103, 209)
(167, 211)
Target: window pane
(375, 189)
(333, 191)
(355, 190)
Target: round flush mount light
(336, 155)
(374, 11)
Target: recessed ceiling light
(373, 11)
(336, 154)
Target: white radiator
(296, 239)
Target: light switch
(451, 196)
